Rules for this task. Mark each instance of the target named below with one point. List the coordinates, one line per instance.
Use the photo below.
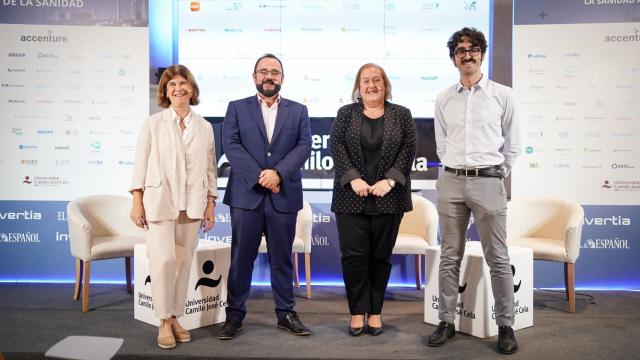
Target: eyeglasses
(265, 72)
(474, 51)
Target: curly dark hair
(475, 36)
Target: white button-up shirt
(478, 127)
(181, 160)
(269, 115)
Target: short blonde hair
(355, 93)
(168, 74)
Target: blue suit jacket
(244, 142)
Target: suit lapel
(281, 118)
(256, 116)
(168, 132)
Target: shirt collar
(261, 101)
(482, 84)
(176, 118)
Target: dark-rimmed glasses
(474, 51)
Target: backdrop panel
(577, 75)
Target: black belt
(493, 171)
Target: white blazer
(154, 170)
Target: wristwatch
(391, 183)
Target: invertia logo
(22, 215)
(615, 220)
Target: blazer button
(269, 154)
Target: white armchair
(552, 228)
(418, 230)
(301, 244)
(100, 228)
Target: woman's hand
(381, 188)
(137, 214)
(360, 187)
(208, 219)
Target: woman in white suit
(174, 193)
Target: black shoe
(507, 343)
(229, 330)
(291, 323)
(355, 331)
(375, 331)
(444, 332)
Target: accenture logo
(49, 37)
(628, 37)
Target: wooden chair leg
(566, 282)
(76, 291)
(85, 286)
(296, 280)
(570, 286)
(127, 270)
(307, 273)
(419, 271)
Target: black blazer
(398, 152)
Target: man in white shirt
(477, 139)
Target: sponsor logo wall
(579, 110)
(73, 94)
(322, 44)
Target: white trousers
(170, 248)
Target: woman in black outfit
(373, 147)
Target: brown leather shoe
(179, 333)
(166, 342)
(181, 336)
(166, 339)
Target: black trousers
(366, 243)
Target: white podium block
(475, 313)
(207, 290)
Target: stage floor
(33, 317)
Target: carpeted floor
(33, 317)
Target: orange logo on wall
(195, 6)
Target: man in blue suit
(266, 139)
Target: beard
(268, 93)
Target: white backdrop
(71, 110)
(579, 104)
